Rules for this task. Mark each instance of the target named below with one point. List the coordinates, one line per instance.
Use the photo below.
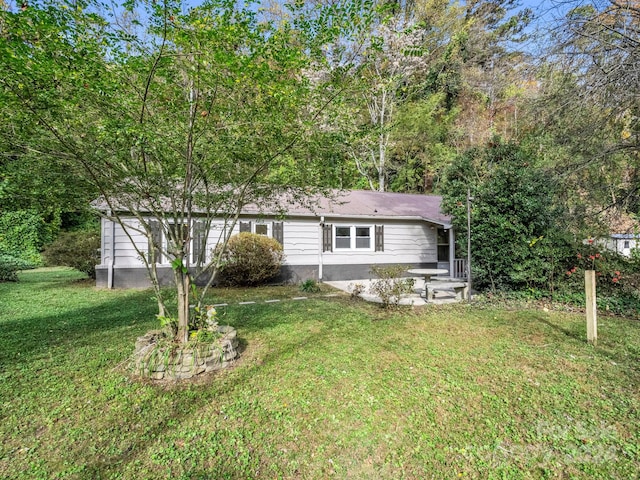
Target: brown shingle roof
(371, 204)
(365, 204)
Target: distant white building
(623, 243)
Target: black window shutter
(327, 238)
(199, 242)
(278, 232)
(379, 238)
(153, 252)
(245, 227)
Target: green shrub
(617, 302)
(518, 236)
(23, 234)
(79, 250)
(9, 267)
(389, 285)
(250, 259)
(309, 286)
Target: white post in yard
(590, 294)
(469, 200)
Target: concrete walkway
(411, 299)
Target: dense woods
(538, 115)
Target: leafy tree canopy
(516, 227)
(172, 111)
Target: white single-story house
(335, 240)
(623, 243)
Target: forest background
(534, 110)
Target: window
(159, 240)
(343, 237)
(356, 238)
(277, 231)
(273, 229)
(626, 244)
(180, 231)
(199, 243)
(155, 242)
(327, 237)
(379, 238)
(363, 237)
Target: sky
(547, 16)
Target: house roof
(370, 205)
(352, 204)
(625, 236)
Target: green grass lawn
(326, 388)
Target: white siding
(410, 242)
(105, 241)
(617, 245)
(216, 235)
(300, 239)
(633, 244)
(302, 242)
(404, 242)
(126, 254)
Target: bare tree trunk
(382, 158)
(153, 274)
(183, 283)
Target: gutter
(112, 259)
(376, 218)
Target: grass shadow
(22, 338)
(557, 328)
(615, 347)
(203, 395)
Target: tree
(422, 144)
(395, 56)
(489, 71)
(174, 117)
(458, 56)
(601, 43)
(589, 88)
(34, 191)
(516, 233)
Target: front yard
(326, 388)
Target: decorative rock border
(169, 362)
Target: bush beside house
(79, 250)
(518, 239)
(250, 259)
(22, 235)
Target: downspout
(112, 259)
(321, 249)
